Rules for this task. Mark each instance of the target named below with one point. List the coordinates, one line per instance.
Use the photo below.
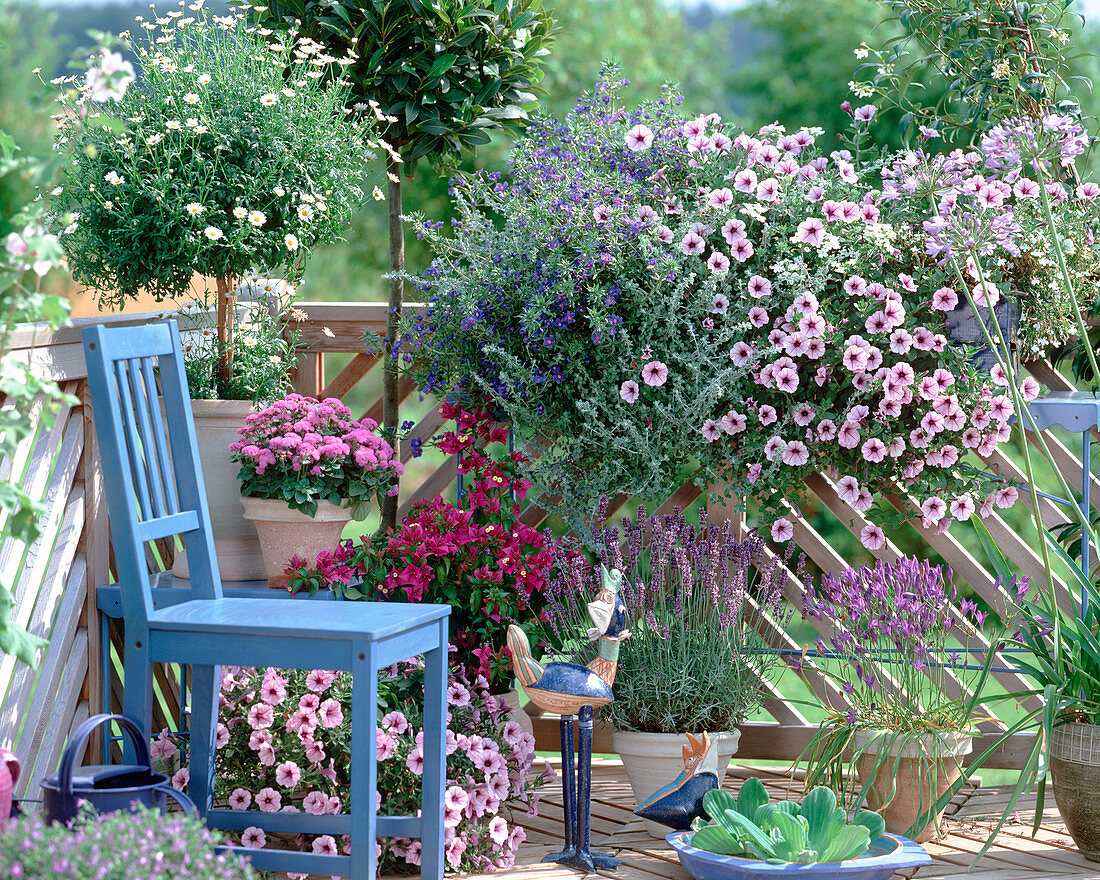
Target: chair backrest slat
(150, 456)
(147, 410)
(163, 461)
(133, 443)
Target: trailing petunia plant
(226, 157)
(284, 744)
(654, 296)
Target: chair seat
(369, 621)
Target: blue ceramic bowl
(888, 854)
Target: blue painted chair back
(149, 456)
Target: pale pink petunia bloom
(639, 138)
(269, 800)
(719, 263)
(826, 429)
(325, 845)
(720, 198)
(741, 250)
(240, 799)
(864, 501)
(768, 190)
(319, 680)
(1030, 388)
(855, 284)
(986, 293)
(796, 454)
(945, 299)
(847, 488)
(647, 214)
(222, 736)
(810, 231)
(655, 374)
(986, 509)
(733, 422)
(782, 530)
(873, 450)
(786, 379)
(741, 354)
(315, 803)
(260, 716)
(692, 243)
(287, 774)
(1025, 188)
(498, 830)
(773, 449)
(1006, 497)
(872, 537)
(962, 507)
(865, 113)
(253, 838)
(331, 714)
(754, 471)
(767, 414)
(733, 230)
(758, 317)
(711, 431)
(998, 375)
(415, 761)
(601, 214)
(665, 235)
(629, 391)
(848, 435)
(385, 746)
(934, 508)
(745, 180)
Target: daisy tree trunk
(390, 397)
(226, 316)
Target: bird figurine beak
(600, 612)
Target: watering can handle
(80, 736)
(180, 798)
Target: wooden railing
(54, 580)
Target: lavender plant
(142, 845)
(694, 661)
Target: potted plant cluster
(800, 326)
(284, 745)
(902, 655)
(694, 663)
(227, 160)
(476, 555)
(138, 845)
(306, 469)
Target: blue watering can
(108, 788)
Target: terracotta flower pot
(655, 759)
(9, 775)
(285, 533)
(918, 773)
(235, 541)
(1075, 765)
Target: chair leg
(364, 766)
(205, 681)
(435, 759)
(137, 688)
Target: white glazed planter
(285, 533)
(235, 540)
(655, 759)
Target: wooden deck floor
(1014, 856)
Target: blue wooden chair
(154, 491)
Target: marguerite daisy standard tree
(226, 157)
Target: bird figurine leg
(589, 858)
(568, 795)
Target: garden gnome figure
(571, 689)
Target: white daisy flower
(113, 178)
(239, 212)
(291, 241)
(173, 125)
(212, 232)
(257, 218)
(288, 92)
(190, 98)
(194, 209)
(269, 100)
(279, 191)
(204, 79)
(305, 212)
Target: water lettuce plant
(813, 831)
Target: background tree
(444, 76)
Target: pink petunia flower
(629, 392)
(639, 138)
(782, 530)
(711, 430)
(810, 231)
(796, 454)
(287, 774)
(655, 374)
(253, 838)
(872, 537)
(240, 799)
(269, 800)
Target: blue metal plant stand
(1077, 411)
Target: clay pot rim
(277, 510)
(937, 744)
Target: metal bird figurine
(571, 689)
(680, 802)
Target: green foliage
(25, 44)
(445, 74)
(227, 156)
(993, 60)
(29, 255)
(810, 832)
